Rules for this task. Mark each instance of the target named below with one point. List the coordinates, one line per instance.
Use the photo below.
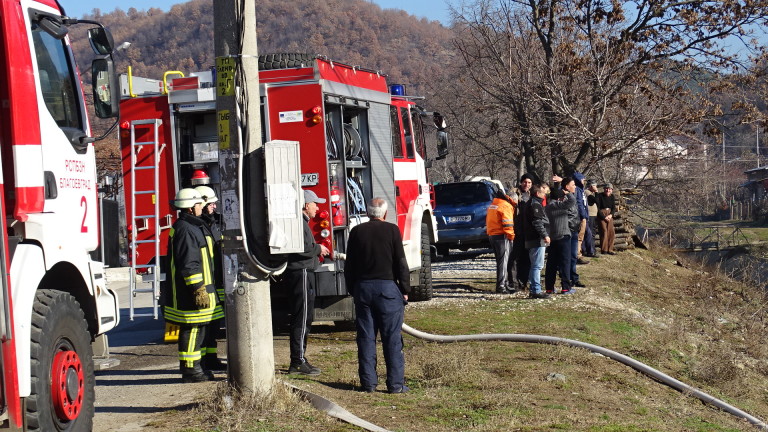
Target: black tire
(423, 291)
(60, 340)
(443, 250)
(285, 60)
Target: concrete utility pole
(250, 351)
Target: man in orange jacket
(500, 226)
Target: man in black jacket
(299, 279)
(536, 227)
(191, 296)
(377, 275)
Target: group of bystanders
(535, 221)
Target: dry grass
(675, 315)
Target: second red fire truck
(358, 138)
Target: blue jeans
(536, 254)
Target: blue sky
(431, 9)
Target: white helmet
(208, 194)
(187, 198)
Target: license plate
(454, 219)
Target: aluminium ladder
(152, 276)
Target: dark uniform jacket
(190, 252)
(213, 222)
(375, 251)
(308, 259)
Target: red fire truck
(54, 303)
(358, 139)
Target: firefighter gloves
(202, 299)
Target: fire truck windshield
(57, 81)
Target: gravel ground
(146, 383)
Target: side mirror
(443, 144)
(101, 40)
(106, 91)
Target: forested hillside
(356, 32)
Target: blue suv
(460, 210)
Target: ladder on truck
(150, 273)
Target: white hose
(653, 373)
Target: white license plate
(454, 219)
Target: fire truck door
(68, 162)
(406, 179)
(10, 404)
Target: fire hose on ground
(336, 411)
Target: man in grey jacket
(562, 214)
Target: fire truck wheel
(62, 375)
(423, 291)
(284, 60)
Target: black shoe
(304, 369)
(581, 261)
(403, 389)
(196, 378)
(213, 364)
(539, 295)
(579, 284)
(368, 389)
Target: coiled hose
(641, 367)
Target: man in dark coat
(536, 227)
(191, 299)
(377, 275)
(519, 261)
(299, 279)
(212, 220)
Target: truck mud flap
(338, 308)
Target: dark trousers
(588, 246)
(191, 339)
(301, 284)
(574, 256)
(379, 308)
(558, 260)
(519, 264)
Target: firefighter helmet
(208, 194)
(187, 198)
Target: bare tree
(582, 81)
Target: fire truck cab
(357, 140)
(54, 303)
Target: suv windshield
(462, 193)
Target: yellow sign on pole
(224, 137)
(225, 76)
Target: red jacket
(500, 218)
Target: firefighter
(192, 297)
(213, 222)
(500, 227)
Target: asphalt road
(147, 381)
